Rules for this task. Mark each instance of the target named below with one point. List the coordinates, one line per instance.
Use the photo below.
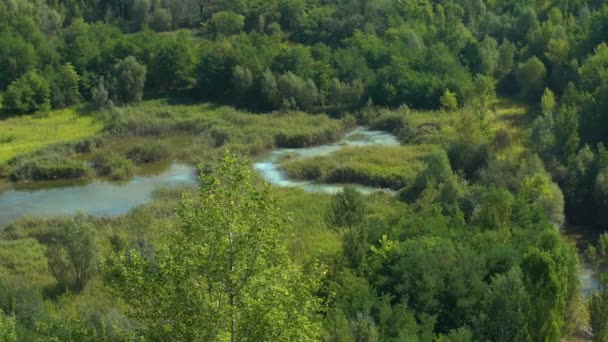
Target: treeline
(331, 56)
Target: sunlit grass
(386, 166)
(29, 133)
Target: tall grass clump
(112, 165)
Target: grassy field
(29, 133)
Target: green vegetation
(388, 167)
(499, 107)
(30, 133)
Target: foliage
(31, 133)
(128, 79)
(112, 165)
(228, 259)
(28, 94)
(145, 154)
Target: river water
(269, 169)
(98, 197)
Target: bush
(469, 158)
(112, 165)
(145, 154)
(28, 94)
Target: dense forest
(500, 109)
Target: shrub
(145, 154)
(28, 94)
(469, 158)
(112, 165)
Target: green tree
(7, 328)
(242, 82)
(174, 63)
(566, 131)
(345, 213)
(540, 190)
(541, 280)
(504, 308)
(226, 23)
(506, 51)
(28, 94)
(222, 274)
(65, 87)
(100, 94)
(449, 101)
(270, 90)
(547, 102)
(17, 57)
(161, 20)
(598, 305)
(140, 12)
(73, 258)
(531, 78)
(128, 80)
(495, 211)
(489, 55)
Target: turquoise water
(98, 197)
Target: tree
(531, 78)
(489, 55)
(242, 82)
(140, 10)
(540, 190)
(504, 308)
(28, 94)
(223, 273)
(345, 213)
(303, 92)
(128, 80)
(174, 62)
(100, 94)
(598, 305)
(17, 57)
(541, 280)
(566, 131)
(65, 87)
(7, 328)
(270, 90)
(495, 211)
(226, 23)
(73, 258)
(506, 50)
(161, 20)
(449, 101)
(547, 102)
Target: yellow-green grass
(385, 166)
(29, 133)
(514, 120)
(311, 237)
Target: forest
(449, 160)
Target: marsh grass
(384, 166)
(24, 134)
(248, 132)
